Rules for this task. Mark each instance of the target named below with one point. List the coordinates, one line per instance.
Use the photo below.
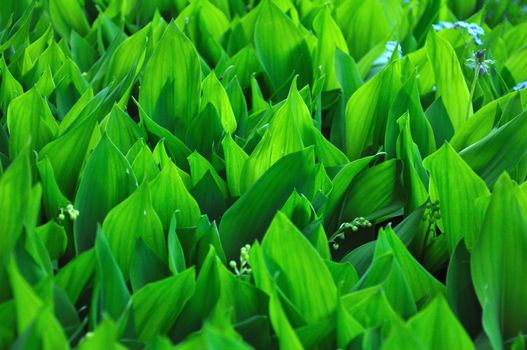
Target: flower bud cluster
(70, 210)
(432, 213)
(431, 216)
(353, 225)
(244, 268)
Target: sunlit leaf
(494, 263)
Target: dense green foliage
(235, 174)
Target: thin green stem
(425, 241)
(472, 90)
(334, 236)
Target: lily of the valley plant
(263, 174)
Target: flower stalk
(354, 225)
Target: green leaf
(204, 23)
(423, 285)
(499, 151)
(401, 337)
(518, 343)
(169, 196)
(107, 180)
(374, 194)
(297, 268)
(414, 175)
(421, 130)
(246, 300)
(439, 120)
(132, 219)
(428, 17)
(210, 195)
(449, 79)
(146, 266)
(460, 291)
(54, 238)
(460, 217)
(367, 111)
(143, 163)
(111, 289)
(105, 335)
(347, 74)
(74, 276)
(178, 150)
(347, 327)
(7, 318)
(344, 275)
(386, 271)
(281, 48)
(129, 55)
(212, 338)
(82, 51)
(205, 131)
(214, 93)
(67, 16)
(122, 130)
(448, 333)
(53, 198)
(235, 159)
(169, 92)
(330, 39)
(364, 24)
(248, 218)
(176, 255)
(200, 167)
(481, 122)
(496, 263)
(298, 209)
(27, 303)
(207, 236)
(15, 194)
(86, 104)
(340, 184)
(157, 305)
(10, 88)
(371, 309)
(26, 125)
(287, 337)
(67, 152)
(203, 300)
(290, 130)
(65, 311)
